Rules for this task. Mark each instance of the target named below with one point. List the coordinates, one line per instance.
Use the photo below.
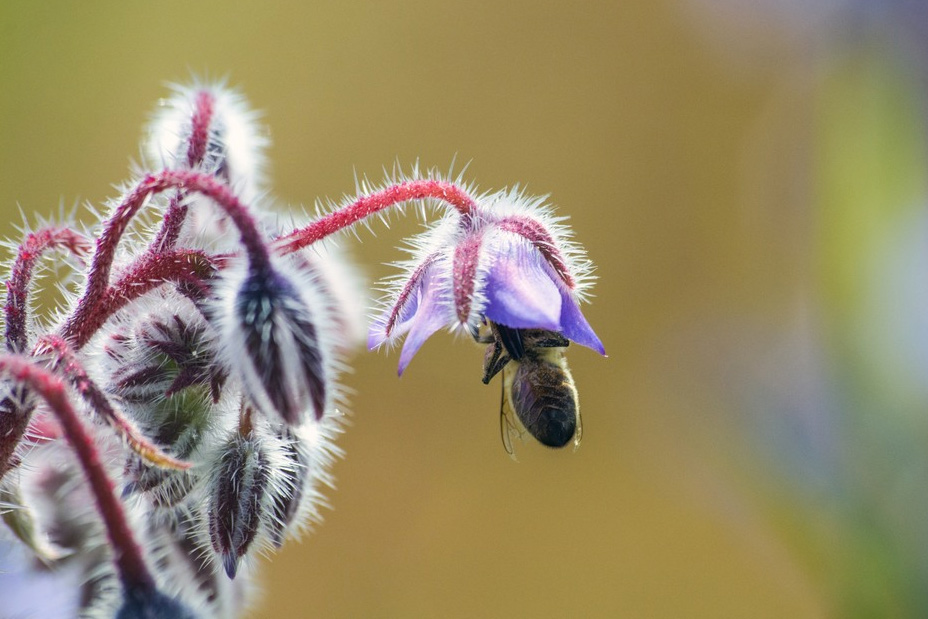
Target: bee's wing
(508, 427)
(579, 432)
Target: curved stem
(173, 221)
(197, 147)
(144, 275)
(130, 563)
(365, 206)
(16, 409)
(17, 286)
(115, 227)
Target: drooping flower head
(510, 261)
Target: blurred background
(750, 178)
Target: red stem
(199, 128)
(16, 410)
(146, 274)
(149, 272)
(115, 227)
(17, 286)
(130, 563)
(196, 151)
(365, 206)
(173, 221)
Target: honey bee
(538, 392)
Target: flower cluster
(191, 372)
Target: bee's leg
(495, 361)
(511, 339)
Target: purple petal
(378, 331)
(405, 307)
(520, 292)
(431, 315)
(575, 327)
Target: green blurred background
(749, 178)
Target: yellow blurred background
(749, 178)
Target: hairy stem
(196, 151)
(144, 275)
(114, 228)
(365, 206)
(130, 564)
(16, 410)
(17, 286)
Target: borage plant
(190, 372)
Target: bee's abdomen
(544, 400)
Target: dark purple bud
(148, 603)
(283, 368)
(166, 357)
(236, 504)
(288, 493)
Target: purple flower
(511, 263)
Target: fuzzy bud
(164, 357)
(147, 603)
(165, 374)
(288, 493)
(281, 359)
(212, 128)
(236, 503)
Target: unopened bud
(211, 128)
(288, 492)
(149, 603)
(237, 497)
(282, 364)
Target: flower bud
(210, 127)
(149, 603)
(237, 499)
(166, 375)
(289, 489)
(163, 357)
(281, 360)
